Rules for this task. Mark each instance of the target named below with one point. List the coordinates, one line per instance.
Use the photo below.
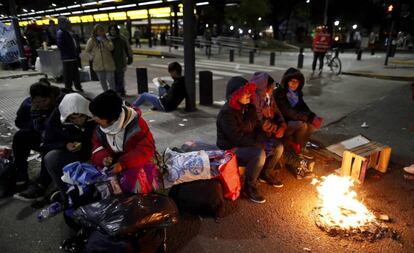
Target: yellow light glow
(74, 19)
(87, 18)
(101, 17)
(117, 16)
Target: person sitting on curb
(68, 136)
(123, 143)
(169, 97)
(300, 119)
(273, 124)
(238, 128)
(31, 120)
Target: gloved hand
(269, 127)
(281, 130)
(317, 122)
(130, 59)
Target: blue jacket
(27, 118)
(66, 44)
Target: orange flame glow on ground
(339, 205)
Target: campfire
(341, 213)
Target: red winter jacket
(139, 145)
(321, 42)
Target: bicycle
(333, 62)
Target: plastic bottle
(49, 211)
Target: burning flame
(339, 206)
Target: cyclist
(321, 44)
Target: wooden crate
(356, 161)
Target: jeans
(23, 141)
(104, 77)
(55, 160)
(316, 56)
(71, 74)
(151, 98)
(273, 157)
(299, 132)
(254, 159)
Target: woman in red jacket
(122, 141)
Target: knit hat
(107, 105)
(236, 87)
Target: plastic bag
(230, 176)
(120, 215)
(185, 167)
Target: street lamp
(336, 23)
(355, 26)
(260, 18)
(231, 28)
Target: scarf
(293, 97)
(115, 133)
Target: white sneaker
(409, 169)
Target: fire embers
(341, 213)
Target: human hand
(281, 130)
(73, 146)
(117, 168)
(107, 161)
(317, 122)
(269, 127)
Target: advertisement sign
(9, 51)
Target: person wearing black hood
(239, 128)
(300, 119)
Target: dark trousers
(120, 82)
(299, 132)
(316, 56)
(254, 159)
(273, 157)
(55, 160)
(71, 74)
(23, 141)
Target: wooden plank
(384, 160)
(373, 159)
(363, 172)
(356, 167)
(346, 164)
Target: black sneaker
(34, 193)
(253, 195)
(272, 180)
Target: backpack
(201, 197)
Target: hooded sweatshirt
(299, 111)
(237, 124)
(263, 101)
(59, 131)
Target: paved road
(283, 224)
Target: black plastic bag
(123, 216)
(7, 179)
(204, 197)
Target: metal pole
(189, 54)
(325, 15)
(272, 59)
(149, 29)
(15, 23)
(387, 53)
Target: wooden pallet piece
(378, 154)
(354, 166)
